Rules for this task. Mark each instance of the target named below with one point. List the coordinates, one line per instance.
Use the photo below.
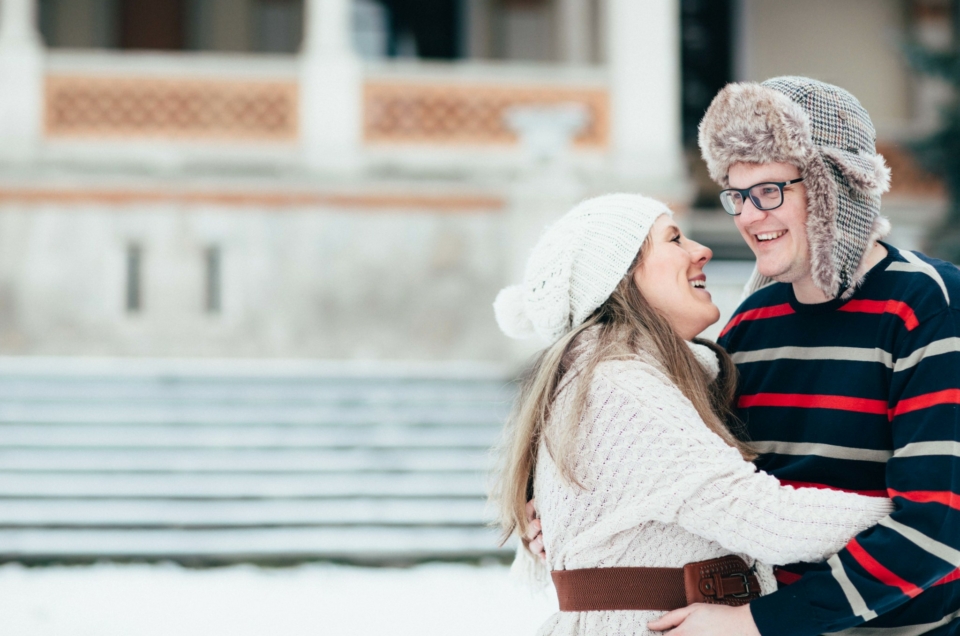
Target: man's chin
(780, 276)
(774, 272)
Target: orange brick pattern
(147, 107)
(406, 112)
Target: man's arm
(918, 544)
(700, 619)
(912, 549)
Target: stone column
(574, 26)
(331, 84)
(21, 80)
(643, 56)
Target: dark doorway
(706, 58)
(433, 24)
(152, 24)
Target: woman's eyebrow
(671, 229)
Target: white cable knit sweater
(661, 489)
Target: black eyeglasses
(764, 196)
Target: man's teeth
(701, 284)
(769, 236)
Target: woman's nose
(701, 253)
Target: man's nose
(749, 212)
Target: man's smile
(769, 236)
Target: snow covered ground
(315, 600)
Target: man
(849, 363)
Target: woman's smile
(671, 278)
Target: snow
(316, 599)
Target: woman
(619, 432)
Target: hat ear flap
(822, 207)
(879, 231)
(866, 174)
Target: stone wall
(318, 282)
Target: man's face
(777, 237)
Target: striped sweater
(863, 395)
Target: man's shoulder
(928, 285)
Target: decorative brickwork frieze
(428, 113)
(180, 108)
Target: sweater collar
(588, 339)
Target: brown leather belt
(723, 581)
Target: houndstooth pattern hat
(824, 131)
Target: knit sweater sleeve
(670, 466)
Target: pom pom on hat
(576, 265)
(511, 315)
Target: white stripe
(822, 450)
(924, 449)
(934, 547)
(935, 348)
(857, 604)
(855, 354)
(903, 630)
(916, 264)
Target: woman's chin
(710, 318)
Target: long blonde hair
(626, 323)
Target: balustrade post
(643, 54)
(21, 80)
(331, 85)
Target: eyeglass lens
(764, 196)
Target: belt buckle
(746, 585)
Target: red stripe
(947, 396)
(895, 307)
(881, 573)
(929, 496)
(759, 313)
(785, 577)
(802, 400)
(808, 484)
(953, 576)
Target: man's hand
(701, 619)
(534, 535)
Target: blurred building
(357, 179)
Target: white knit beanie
(576, 265)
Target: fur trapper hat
(576, 265)
(824, 131)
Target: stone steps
(236, 465)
